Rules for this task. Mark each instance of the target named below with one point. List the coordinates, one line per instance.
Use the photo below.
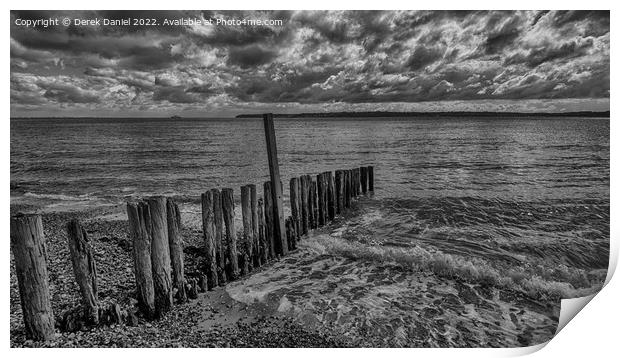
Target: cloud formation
(322, 60)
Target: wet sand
(312, 298)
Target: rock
(132, 319)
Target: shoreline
(308, 299)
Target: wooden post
(355, 182)
(175, 241)
(338, 191)
(248, 239)
(269, 220)
(295, 203)
(255, 236)
(276, 185)
(140, 232)
(358, 177)
(311, 203)
(315, 204)
(220, 251)
(291, 234)
(304, 204)
(349, 188)
(264, 248)
(345, 192)
(320, 187)
(209, 237)
(331, 197)
(371, 178)
(326, 197)
(160, 255)
(28, 246)
(84, 270)
(228, 210)
(364, 178)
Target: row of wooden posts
(157, 245)
(155, 231)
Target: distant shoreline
(430, 114)
(375, 114)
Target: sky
(312, 61)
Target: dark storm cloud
(348, 57)
(250, 56)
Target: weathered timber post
(255, 235)
(358, 177)
(295, 202)
(292, 235)
(84, 270)
(325, 178)
(311, 205)
(269, 220)
(331, 197)
(338, 191)
(228, 210)
(320, 186)
(364, 177)
(347, 188)
(264, 248)
(209, 237)
(276, 185)
(304, 204)
(371, 178)
(28, 246)
(315, 204)
(248, 239)
(355, 182)
(175, 241)
(140, 233)
(220, 248)
(160, 255)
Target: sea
(503, 204)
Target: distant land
(429, 114)
(375, 114)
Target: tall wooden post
(228, 210)
(220, 251)
(208, 233)
(248, 239)
(28, 246)
(269, 220)
(140, 232)
(176, 248)
(84, 269)
(255, 236)
(160, 255)
(276, 184)
(371, 178)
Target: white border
(593, 331)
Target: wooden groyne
(154, 227)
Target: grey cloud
(250, 56)
(315, 57)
